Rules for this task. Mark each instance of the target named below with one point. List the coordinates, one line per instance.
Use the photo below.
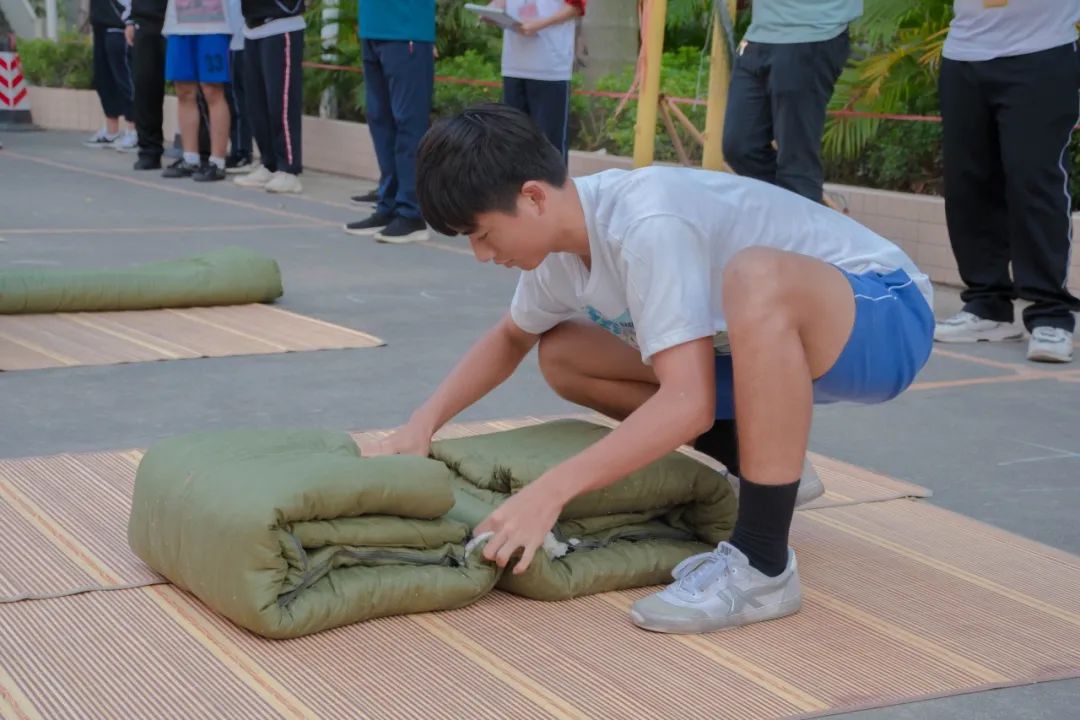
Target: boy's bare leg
(186, 93)
(219, 118)
(789, 317)
(589, 366)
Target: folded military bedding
(630, 534)
(289, 532)
(229, 276)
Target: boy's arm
(569, 11)
(680, 410)
(490, 361)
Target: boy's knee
(754, 283)
(186, 91)
(213, 92)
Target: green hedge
(67, 63)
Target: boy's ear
(534, 194)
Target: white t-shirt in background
(1019, 27)
(548, 55)
(659, 240)
(197, 17)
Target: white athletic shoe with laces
(1050, 344)
(283, 182)
(965, 327)
(717, 590)
(257, 178)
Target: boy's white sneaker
(283, 182)
(717, 590)
(1050, 344)
(965, 327)
(257, 178)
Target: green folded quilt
(229, 276)
(289, 532)
(630, 534)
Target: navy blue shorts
(889, 344)
(197, 58)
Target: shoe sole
(1000, 336)
(364, 232)
(289, 191)
(698, 627)
(413, 237)
(251, 186)
(1045, 357)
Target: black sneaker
(236, 164)
(209, 173)
(403, 230)
(370, 197)
(180, 169)
(369, 225)
(147, 163)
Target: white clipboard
(499, 17)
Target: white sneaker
(283, 182)
(717, 590)
(257, 178)
(101, 139)
(127, 141)
(965, 327)
(1050, 344)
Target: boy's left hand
(521, 523)
(531, 27)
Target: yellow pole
(719, 72)
(649, 97)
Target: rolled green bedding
(630, 534)
(290, 532)
(229, 276)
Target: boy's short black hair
(477, 161)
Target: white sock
(219, 161)
(191, 158)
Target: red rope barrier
(634, 96)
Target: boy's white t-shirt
(197, 17)
(659, 240)
(548, 55)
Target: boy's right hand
(129, 34)
(406, 440)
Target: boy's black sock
(721, 443)
(761, 531)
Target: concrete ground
(1002, 449)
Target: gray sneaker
(1050, 344)
(965, 327)
(717, 590)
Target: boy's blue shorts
(889, 344)
(197, 58)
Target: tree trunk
(608, 39)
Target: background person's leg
(257, 102)
(148, 60)
(119, 55)
(800, 84)
(975, 208)
(410, 72)
(381, 122)
(240, 135)
(1038, 108)
(188, 110)
(748, 122)
(549, 106)
(104, 83)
